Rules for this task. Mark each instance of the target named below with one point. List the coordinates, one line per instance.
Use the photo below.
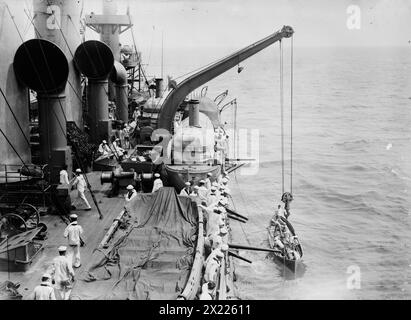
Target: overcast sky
(235, 23)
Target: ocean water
(351, 168)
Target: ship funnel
(95, 60)
(42, 66)
(194, 113)
(118, 76)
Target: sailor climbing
(186, 190)
(44, 291)
(63, 273)
(80, 183)
(73, 233)
(131, 193)
(158, 183)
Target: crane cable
(291, 111)
(282, 113)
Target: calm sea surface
(351, 168)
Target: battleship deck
(94, 231)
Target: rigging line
(71, 53)
(282, 114)
(61, 127)
(68, 80)
(12, 146)
(41, 37)
(14, 116)
(291, 113)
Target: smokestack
(95, 60)
(194, 113)
(42, 66)
(119, 77)
(63, 29)
(159, 87)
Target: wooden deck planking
(94, 231)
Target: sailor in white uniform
(208, 181)
(158, 184)
(44, 291)
(186, 190)
(131, 193)
(73, 233)
(202, 191)
(81, 185)
(103, 148)
(63, 273)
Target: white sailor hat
(157, 175)
(209, 174)
(224, 247)
(104, 141)
(196, 187)
(201, 181)
(117, 139)
(215, 184)
(188, 184)
(78, 170)
(225, 172)
(225, 180)
(73, 216)
(62, 248)
(213, 188)
(130, 187)
(223, 230)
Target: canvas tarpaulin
(150, 256)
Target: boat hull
(291, 264)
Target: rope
(61, 107)
(14, 116)
(282, 113)
(11, 145)
(291, 113)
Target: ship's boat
(279, 255)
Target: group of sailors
(104, 149)
(77, 182)
(60, 274)
(212, 198)
(282, 237)
(132, 192)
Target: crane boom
(177, 96)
